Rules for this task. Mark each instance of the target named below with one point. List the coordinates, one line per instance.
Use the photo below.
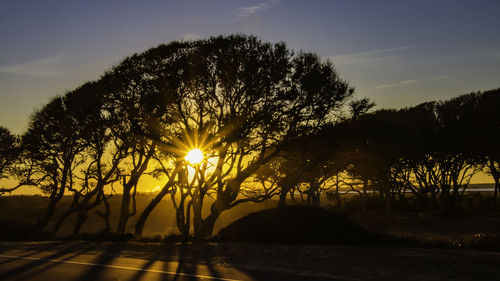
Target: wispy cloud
(409, 82)
(40, 67)
(368, 55)
(385, 86)
(442, 77)
(245, 12)
(490, 53)
(393, 85)
(190, 37)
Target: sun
(194, 156)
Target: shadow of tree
(49, 265)
(137, 261)
(74, 250)
(106, 257)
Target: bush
(15, 230)
(296, 224)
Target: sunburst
(194, 156)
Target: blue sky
(398, 53)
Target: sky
(397, 53)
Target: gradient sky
(398, 53)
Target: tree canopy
(264, 121)
(240, 100)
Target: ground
(442, 261)
(323, 261)
(433, 228)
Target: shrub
(296, 224)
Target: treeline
(427, 153)
(270, 123)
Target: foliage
(9, 153)
(269, 121)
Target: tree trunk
(82, 216)
(124, 210)
(495, 196)
(363, 198)
(106, 214)
(314, 194)
(445, 202)
(282, 198)
(495, 173)
(139, 226)
(183, 219)
(388, 205)
(433, 204)
(337, 195)
(41, 223)
(55, 197)
(206, 226)
(292, 195)
(316, 200)
(61, 219)
(135, 175)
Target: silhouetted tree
(239, 100)
(122, 112)
(276, 176)
(415, 169)
(456, 163)
(308, 165)
(9, 153)
(283, 174)
(134, 103)
(423, 149)
(373, 143)
(146, 87)
(357, 108)
(103, 155)
(53, 146)
(484, 132)
(324, 174)
(269, 122)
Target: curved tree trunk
(82, 216)
(139, 226)
(495, 173)
(105, 215)
(206, 226)
(41, 223)
(282, 199)
(124, 210)
(61, 219)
